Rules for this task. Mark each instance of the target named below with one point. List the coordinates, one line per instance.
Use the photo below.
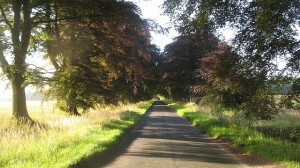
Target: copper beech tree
(265, 31)
(100, 51)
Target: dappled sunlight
(164, 139)
(232, 66)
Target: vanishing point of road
(164, 140)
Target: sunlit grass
(250, 139)
(285, 126)
(61, 140)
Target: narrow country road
(165, 140)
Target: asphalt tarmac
(165, 140)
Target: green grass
(285, 126)
(284, 153)
(60, 140)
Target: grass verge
(61, 140)
(284, 153)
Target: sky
(151, 9)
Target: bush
(261, 106)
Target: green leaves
(103, 55)
(235, 76)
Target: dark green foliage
(77, 86)
(260, 106)
(238, 76)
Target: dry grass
(58, 136)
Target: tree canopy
(241, 75)
(100, 52)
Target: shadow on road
(163, 135)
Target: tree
(182, 58)
(264, 32)
(264, 28)
(94, 46)
(232, 86)
(17, 17)
(116, 60)
(222, 82)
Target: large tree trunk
(71, 104)
(19, 108)
(72, 108)
(21, 31)
(17, 80)
(19, 98)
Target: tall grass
(285, 126)
(61, 140)
(251, 140)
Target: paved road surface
(164, 140)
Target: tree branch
(42, 69)
(4, 17)
(26, 30)
(54, 20)
(68, 18)
(4, 64)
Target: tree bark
(71, 104)
(19, 98)
(21, 32)
(73, 109)
(52, 55)
(73, 62)
(58, 37)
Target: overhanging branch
(42, 69)
(4, 64)
(69, 18)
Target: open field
(61, 140)
(251, 139)
(34, 107)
